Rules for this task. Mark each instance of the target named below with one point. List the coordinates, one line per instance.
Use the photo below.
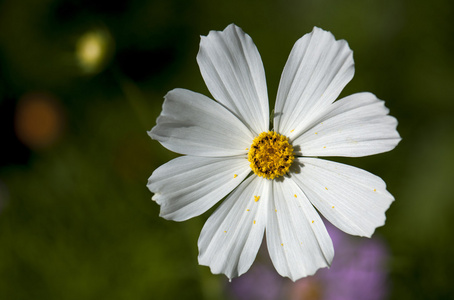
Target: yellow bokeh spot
(92, 49)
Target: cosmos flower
(272, 179)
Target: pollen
(271, 155)
(235, 175)
(256, 198)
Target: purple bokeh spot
(260, 282)
(358, 271)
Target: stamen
(271, 155)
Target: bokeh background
(81, 82)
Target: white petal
(191, 123)
(231, 237)
(188, 186)
(316, 71)
(357, 125)
(352, 199)
(296, 237)
(233, 72)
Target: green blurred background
(82, 81)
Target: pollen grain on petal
(256, 198)
(235, 175)
(295, 196)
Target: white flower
(272, 180)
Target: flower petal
(233, 72)
(352, 199)
(357, 125)
(297, 239)
(187, 186)
(316, 71)
(231, 237)
(191, 123)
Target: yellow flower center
(270, 155)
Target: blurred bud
(308, 288)
(94, 49)
(39, 120)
